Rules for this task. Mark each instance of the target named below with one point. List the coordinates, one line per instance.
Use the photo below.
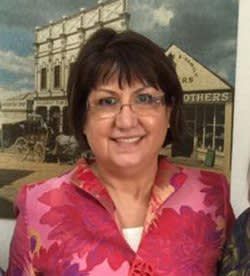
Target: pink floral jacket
(67, 226)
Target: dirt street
(14, 173)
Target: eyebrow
(115, 92)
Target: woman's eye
(107, 101)
(145, 98)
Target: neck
(129, 183)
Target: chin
(128, 161)
(123, 161)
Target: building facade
(56, 48)
(208, 109)
(16, 109)
(208, 98)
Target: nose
(126, 118)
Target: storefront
(208, 109)
(54, 113)
(16, 109)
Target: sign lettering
(207, 97)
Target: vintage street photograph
(39, 44)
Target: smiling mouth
(128, 140)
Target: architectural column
(37, 87)
(36, 56)
(100, 8)
(50, 53)
(124, 5)
(61, 120)
(50, 75)
(63, 55)
(63, 62)
(82, 10)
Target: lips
(128, 140)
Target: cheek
(160, 127)
(96, 131)
(160, 124)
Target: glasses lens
(147, 104)
(142, 106)
(105, 111)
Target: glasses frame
(158, 100)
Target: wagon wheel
(21, 148)
(39, 152)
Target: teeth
(129, 140)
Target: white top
(133, 236)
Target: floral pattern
(214, 191)
(68, 226)
(188, 249)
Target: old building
(57, 45)
(16, 108)
(208, 109)
(208, 98)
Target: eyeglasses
(109, 106)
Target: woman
(236, 257)
(127, 211)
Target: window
(43, 78)
(200, 132)
(57, 76)
(219, 127)
(207, 123)
(189, 114)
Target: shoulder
(208, 187)
(207, 177)
(213, 185)
(198, 176)
(205, 190)
(30, 194)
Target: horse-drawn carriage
(33, 139)
(27, 139)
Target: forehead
(114, 84)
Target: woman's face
(126, 139)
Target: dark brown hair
(130, 56)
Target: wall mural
(39, 43)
